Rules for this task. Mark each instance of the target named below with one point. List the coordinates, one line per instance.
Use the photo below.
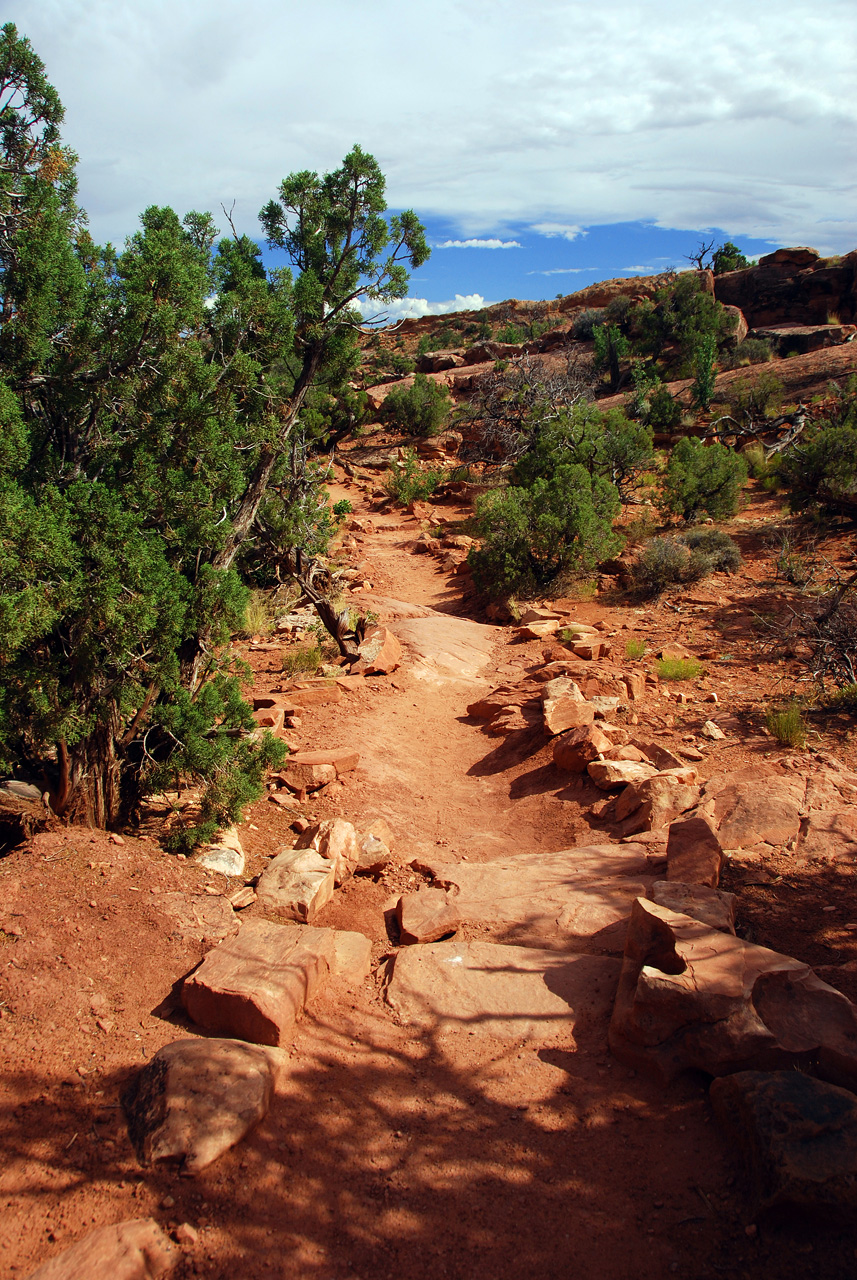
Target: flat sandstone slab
(518, 993)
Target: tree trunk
(96, 786)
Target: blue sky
(601, 139)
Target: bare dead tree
(700, 254)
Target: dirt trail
(421, 1155)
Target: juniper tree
(148, 401)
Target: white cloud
(563, 271)
(408, 308)
(553, 229)
(479, 244)
(555, 114)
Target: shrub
(678, 668)
(342, 508)
(407, 483)
(755, 400)
(728, 258)
(611, 346)
(635, 648)
(704, 368)
(561, 522)
(702, 478)
(419, 410)
(787, 725)
(717, 546)
(666, 562)
(512, 333)
(664, 410)
(752, 351)
(586, 322)
(618, 310)
(820, 470)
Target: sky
(545, 144)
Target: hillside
(568, 895)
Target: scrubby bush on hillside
(728, 258)
(561, 522)
(407, 482)
(752, 351)
(702, 480)
(586, 322)
(419, 410)
(669, 561)
(605, 444)
(681, 314)
(820, 469)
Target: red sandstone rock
(134, 1250)
(694, 853)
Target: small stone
(242, 898)
(186, 1234)
(713, 731)
(426, 916)
(114, 838)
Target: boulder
(830, 835)
(712, 906)
(590, 651)
(319, 696)
(133, 1250)
(512, 993)
(656, 800)
(342, 759)
(635, 685)
(746, 813)
(797, 1136)
(561, 714)
(297, 884)
(607, 774)
(336, 840)
(741, 328)
(255, 986)
(574, 750)
(660, 756)
(225, 854)
(691, 997)
(426, 916)
(799, 256)
(373, 855)
(309, 777)
(694, 853)
(197, 1098)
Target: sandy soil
(390, 1153)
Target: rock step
(519, 993)
(256, 985)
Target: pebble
(186, 1234)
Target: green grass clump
(678, 668)
(787, 725)
(635, 648)
(257, 616)
(302, 660)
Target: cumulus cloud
(551, 114)
(553, 229)
(413, 308)
(479, 244)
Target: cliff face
(792, 286)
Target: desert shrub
(586, 322)
(723, 553)
(419, 410)
(342, 508)
(560, 522)
(606, 444)
(408, 483)
(755, 400)
(704, 370)
(787, 725)
(820, 470)
(678, 668)
(512, 333)
(664, 410)
(618, 310)
(669, 561)
(611, 346)
(752, 351)
(680, 314)
(635, 648)
(703, 479)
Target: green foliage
(704, 367)
(607, 445)
(669, 561)
(511, 333)
(586, 322)
(559, 522)
(159, 409)
(702, 479)
(420, 410)
(611, 346)
(728, 258)
(682, 314)
(442, 340)
(678, 668)
(755, 399)
(407, 483)
(752, 351)
(820, 469)
(635, 648)
(787, 725)
(342, 508)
